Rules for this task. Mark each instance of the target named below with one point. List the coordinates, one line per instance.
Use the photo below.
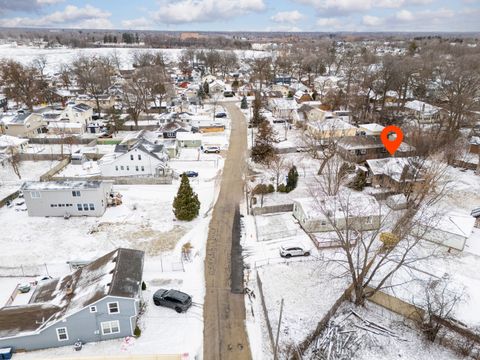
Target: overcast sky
(250, 15)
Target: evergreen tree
(359, 181)
(257, 117)
(292, 179)
(206, 87)
(201, 93)
(186, 205)
(244, 103)
(263, 150)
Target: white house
(326, 213)
(79, 113)
(66, 198)
(216, 86)
(422, 111)
(282, 108)
(371, 129)
(138, 160)
(21, 124)
(189, 140)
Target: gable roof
(118, 273)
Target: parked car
(211, 149)
(24, 288)
(221, 115)
(191, 173)
(174, 299)
(293, 250)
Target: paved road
(224, 332)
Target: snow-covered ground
(59, 56)
(29, 170)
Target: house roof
(118, 273)
(368, 142)
(392, 167)
(61, 185)
(422, 107)
(353, 203)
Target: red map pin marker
(391, 144)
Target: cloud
(138, 23)
(369, 20)
(72, 16)
(329, 22)
(290, 17)
(194, 11)
(49, 2)
(404, 15)
(346, 7)
(283, 28)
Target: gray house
(100, 301)
(67, 198)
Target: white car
(294, 250)
(211, 149)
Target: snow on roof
(185, 136)
(455, 222)
(372, 127)
(60, 185)
(368, 142)
(422, 107)
(7, 140)
(329, 124)
(118, 273)
(64, 125)
(283, 103)
(392, 167)
(346, 202)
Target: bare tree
(93, 75)
(277, 165)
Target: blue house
(100, 301)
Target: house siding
(42, 206)
(148, 162)
(84, 326)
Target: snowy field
(57, 57)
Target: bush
(137, 332)
(282, 188)
(359, 181)
(271, 188)
(292, 179)
(144, 286)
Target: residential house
(372, 129)
(302, 96)
(79, 113)
(474, 145)
(189, 140)
(422, 111)
(22, 124)
(282, 79)
(170, 130)
(331, 212)
(395, 174)
(361, 148)
(67, 198)
(10, 146)
(330, 128)
(282, 108)
(100, 301)
(216, 86)
(136, 155)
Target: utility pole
(275, 355)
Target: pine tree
(201, 93)
(292, 179)
(263, 150)
(186, 205)
(257, 117)
(206, 87)
(244, 103)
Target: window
(369, 220)
(35, 194)
(61, 205)
(85, 207)
(363, 151)
(128, 167)
(136, 168)
(116, 168)
(131, 157)
(93, 309)
(76, 193)
(91, 206)
(143, 168)
(110, 327)
(113, 308)
(139, 157)
(121, 167)
(324, 223)
(79, 207)
(62, 334)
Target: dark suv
(174, 299)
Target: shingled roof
(118, 273)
